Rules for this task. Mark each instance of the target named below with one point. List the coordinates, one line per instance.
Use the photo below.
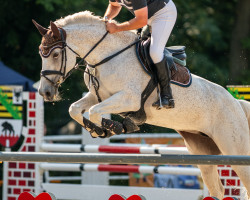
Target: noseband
(62, 71)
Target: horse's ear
(40, 28)
(54, 29)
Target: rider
(161, 16)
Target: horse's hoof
(97, 132)
(107, 134)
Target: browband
(52, 49)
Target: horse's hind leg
(242, 171)
(233, 139)
(202, 145)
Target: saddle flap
(142, 51)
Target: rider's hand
(112, 27)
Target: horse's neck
(124, 71)
(83, 38)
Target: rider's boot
(163, 75)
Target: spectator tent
(11, 77)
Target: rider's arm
(112, 10)
(140, 20)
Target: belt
(151, 1)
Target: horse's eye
(56, 55)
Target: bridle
(62, 71)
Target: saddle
(176, 61)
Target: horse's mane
(86, 17)
(78, 18)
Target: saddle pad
(182, 77)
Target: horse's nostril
(48, 94)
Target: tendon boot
(163, 74)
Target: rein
(91, 70)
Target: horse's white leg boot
(76, 109)
(118, 103)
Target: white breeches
(162, 23)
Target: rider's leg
(163, 74)
(162, 24)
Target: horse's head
(56, 62)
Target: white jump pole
(149, 149)
(122, 168)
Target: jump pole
(125, 158)
(128, 149)
(140, 169)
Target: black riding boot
(163, 75)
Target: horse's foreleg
(118, 103)
(77, 109)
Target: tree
(240, 44)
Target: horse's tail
(246, 107)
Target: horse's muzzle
(48, 93)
